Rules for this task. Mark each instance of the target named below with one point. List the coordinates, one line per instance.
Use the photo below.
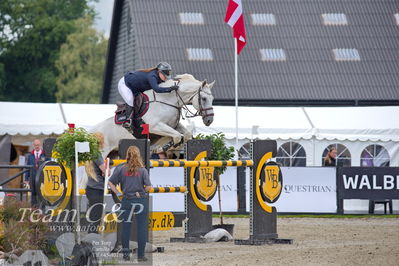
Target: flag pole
(236, 89)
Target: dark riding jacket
(138, 81)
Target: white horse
(164, 113)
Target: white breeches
(125, 92)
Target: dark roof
(146, 32)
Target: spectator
(135, 184)
(35, 159)
(366, 159)
(330, 159)
(95, 187)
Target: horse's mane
(186, 77)
(181, 77)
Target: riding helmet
(165, 69)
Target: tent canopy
(31, 118)
(341, 123)
(260, 122)
(355, 123)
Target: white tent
(31, 118)
(314, 128)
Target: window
(189, 18)
(374, 155)
(336, 19)
(343, 155)
(244, 152)
(346, 54)
(397, 18)
(291, 154)
(199, 54)
(273, 55)
(263, 19)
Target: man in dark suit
(35, 158)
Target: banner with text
(368, 182)
(174, 176)
(308, 189)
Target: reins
(184, 106)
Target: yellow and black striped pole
(180, 189)
(184, 163)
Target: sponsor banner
(306, 189)
(161, 221)
(368, 182)
(174, 202)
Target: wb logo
(272, 177)
(207, 175)
(52, 187)
(272, 182)
(206, 183)
(53, 178)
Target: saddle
(140, 108)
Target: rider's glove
(119, 194)
(174, 88)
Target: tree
(31, 34)
(81, 64)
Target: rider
(134, 82)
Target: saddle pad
(120, 116)
(141, 105)
(140, 108)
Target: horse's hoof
(158, 149)
(166, 147)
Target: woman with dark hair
(135, 184)
(330, 159)
(95, 187)
(134, 82)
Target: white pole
(76, 195)
(106, 178)
(236, 89)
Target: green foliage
(81, 64)
(65, 147)
(31, 34)
(19, 235)
(219, 149)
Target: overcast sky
(104, 17)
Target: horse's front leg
(186, 133)
(163, 129)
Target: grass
(339, 216)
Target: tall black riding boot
(129, 115)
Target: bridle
(203, 112)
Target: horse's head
(198, 93)
(202, 102)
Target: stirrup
(127, 124)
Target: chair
(386, 202)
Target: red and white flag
(235, 19)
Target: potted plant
(65, 147)
(65, 154)
(220, 152)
